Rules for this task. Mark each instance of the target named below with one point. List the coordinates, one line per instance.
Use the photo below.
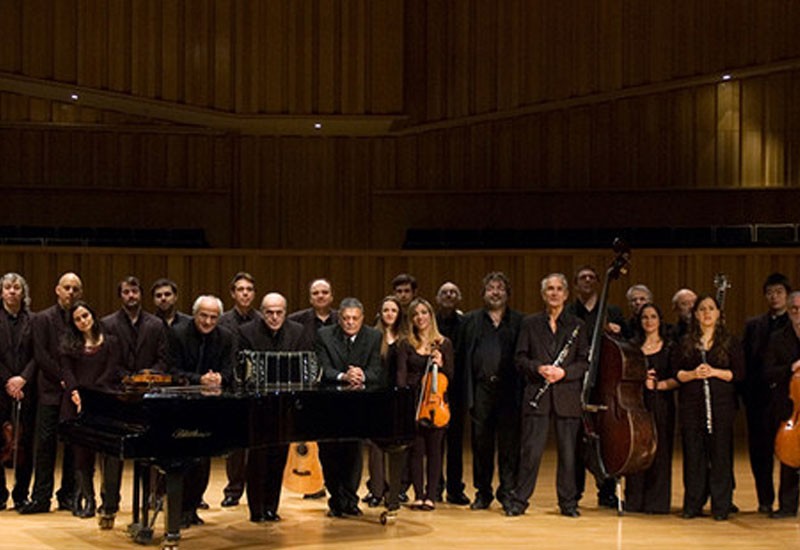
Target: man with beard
(243, 290)
(321, 313)
(16, 368)
(48, 327)
(165, 298)
(265, 465)
(682, 303)
(143, 340)
(486, 342)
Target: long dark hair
(73, 340)
(638, 333)
(722, 338)
(397, 327)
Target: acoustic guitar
(303, 472)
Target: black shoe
(764, 509)
(608, 501)
(65, 502)
(733, 509)
(352, 511)
(458, 498)
(35, 507)
(269, 515)
(374, 501)
(480, 503)
(319, 494)
(720, 517)
(402, 497)
(782, 514)
(514, 510)
(89, 510)
(20, 504)
(227, 502)
(203, 505)
(688, 514)
(3, 505)
(367, 497)
(570, 512)
(257, 518)
(190, 518)
(334, 513)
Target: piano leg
(395, 459)
(141, 529)
(174, 507)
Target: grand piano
(169, 427)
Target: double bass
(619, 431)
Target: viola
(619, 430)
(432, 409)
(787, 440)
(147, 378)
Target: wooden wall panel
(368, 275)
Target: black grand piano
(168, 427)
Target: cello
(787, 440)
(619, 431)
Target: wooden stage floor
(305, 525)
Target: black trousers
(426, 462)
(495, 426)
(533, 440)
(454, 439)
(376, 484)
(761, 428)
(236, 469)
(47, 417)
(195, 482)
(789, 490)
(341, 467)
(265, 478)
(707, 462)
(111, 467)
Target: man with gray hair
(637, 296)
(17, 405)
(349, 353)
(682, 303)
(201, 352)
(552, 355)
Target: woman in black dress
(424, 343)
(707, 362)
(650, 491)
(390, 323)
(89, 359)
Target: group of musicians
(510, 376)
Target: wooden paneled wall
(367, 275)
(471, 56)
(243, 56)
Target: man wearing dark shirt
(165, 299)
(321, 313)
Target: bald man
(48, 327)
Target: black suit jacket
(16, 359)
(536, 346)
(258, 336)
(186, 360)
(334, 356)
(144, 347)
(48, 326)
(308, 318)
(783, 349)
(754, 342)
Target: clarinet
(707, 395)
(562, 356)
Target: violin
(787, 440)
(433, 411)
(12, 453)
(147, 378)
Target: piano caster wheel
(106, 522)
(143, 536)
(388, 517)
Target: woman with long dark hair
(390, 323)
(424, 343)
(650, 491)
(89, 359)
(707, 362)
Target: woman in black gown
(650, 491)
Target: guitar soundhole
(302, 449)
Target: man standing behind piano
(349, 354)
(265, 465)
(202, 353)
(143, 339)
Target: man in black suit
(243, 290)
(542, 337)
(265, 465)
(755, 389)
(16, 368)
(48, 327)
(165, 299)
(349, 354)
(143, 340)
(781, 364)
(321, 313)
(486, 343)
(201, 352)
